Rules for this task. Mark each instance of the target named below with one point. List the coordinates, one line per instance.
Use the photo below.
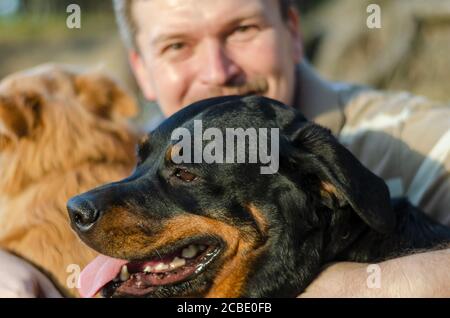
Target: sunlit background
(410, 52)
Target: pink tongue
(98, 273)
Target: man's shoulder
(405, 139)
(361, 104)
(404, 118)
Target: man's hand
(419, 275)
(18, 279)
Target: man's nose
(216, 67)
(83, 213)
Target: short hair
(128, 27)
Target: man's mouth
(116, 278)
(257, 86)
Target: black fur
(308, 227)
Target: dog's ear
(19, 115)
(103, 96)
(342, 176)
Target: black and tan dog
(226, 230)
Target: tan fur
(58, 138)
(120, 236)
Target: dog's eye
(184, 175)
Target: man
(182, 51)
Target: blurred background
(410, 52)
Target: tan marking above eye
(144, 139)
(328, 187)
(172, 151)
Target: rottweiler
(224, 228)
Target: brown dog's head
(62, 132)
(53, 118)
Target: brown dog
(62, 132)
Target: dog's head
(54, 118)
(227, 229)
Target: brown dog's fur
(62, 132)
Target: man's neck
(317, 99)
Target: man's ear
(103, 96)
(19, 115)
(342, 176)
(293, 23)
(141, 74)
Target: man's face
(196, 49)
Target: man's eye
(175, 46)
(244, 33)
(244, 28)
(184, 175)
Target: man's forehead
(162, 16)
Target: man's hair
(128, 27)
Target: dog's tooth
(148, 269)
(124, 275)
(189, 252)
(177, 262)
(161, 267)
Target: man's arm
(419, 275)
(18, 279)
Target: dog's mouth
(121, 278)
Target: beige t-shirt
(404, 139)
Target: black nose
(83, 213)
